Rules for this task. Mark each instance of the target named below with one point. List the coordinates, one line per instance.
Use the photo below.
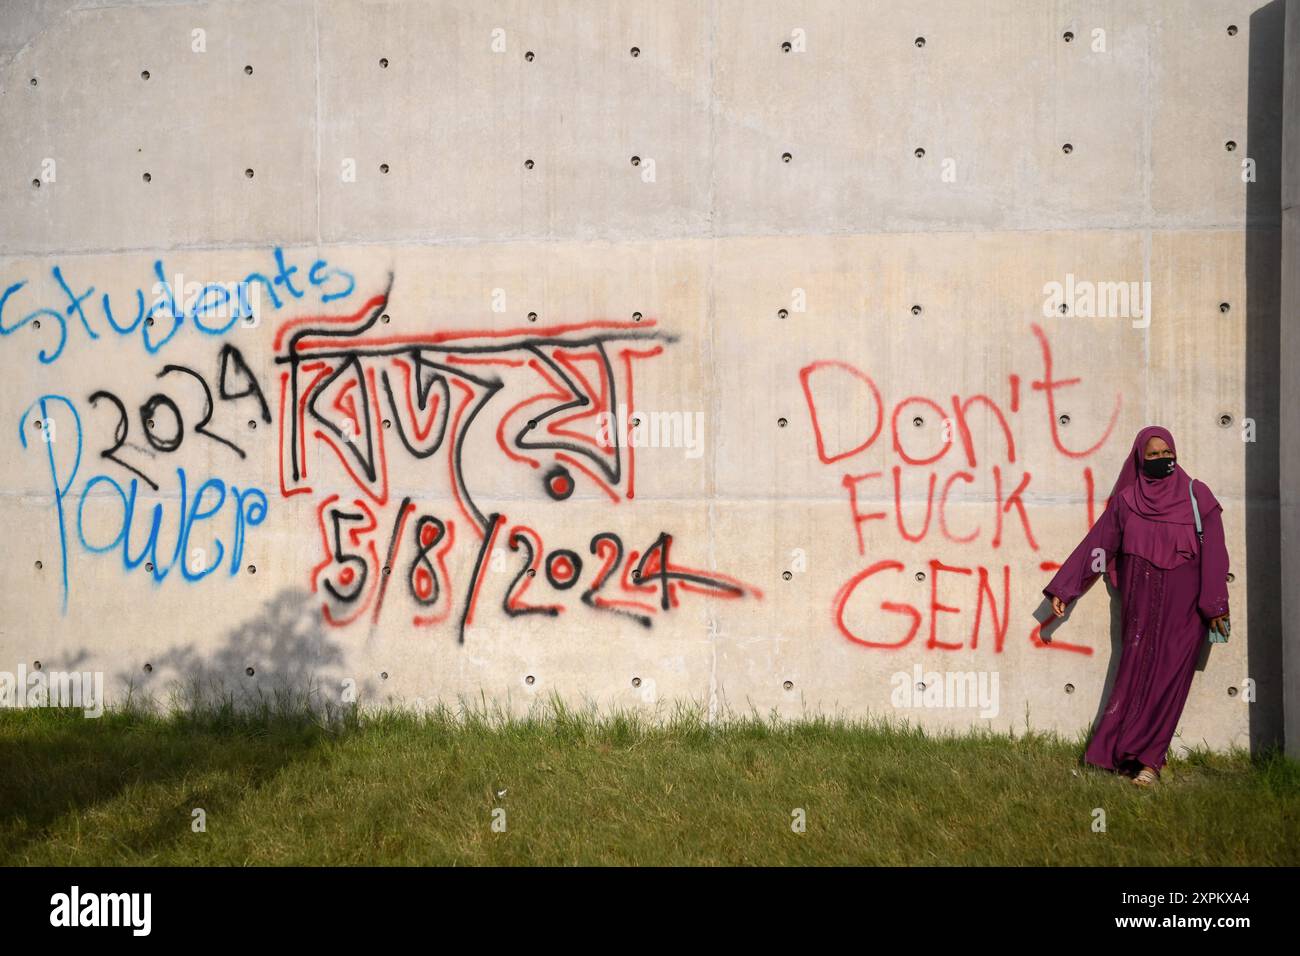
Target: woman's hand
(1058, 606)
(1219, 625)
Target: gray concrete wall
(1290, 391)
(837, 263)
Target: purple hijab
(1161, 502)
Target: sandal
(1146, 777)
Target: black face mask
(1158, 467)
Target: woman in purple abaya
(1171, 584)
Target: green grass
(284, 787)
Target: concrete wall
(1290, 391)
(834, 263)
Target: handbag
(1215, 636)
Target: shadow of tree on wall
(287, 650)
(225, 727)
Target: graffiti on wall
(73, 439)
(380, 433)
(210, 309)
(347, 387)
(954, 459)
(425, 455)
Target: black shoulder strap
(1196, 511)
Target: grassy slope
(581, 789)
